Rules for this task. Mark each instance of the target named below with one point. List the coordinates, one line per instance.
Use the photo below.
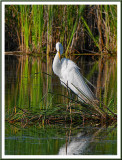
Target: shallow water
(27, 87)
(60, 140)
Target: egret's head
(59, 49)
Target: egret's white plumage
(69, 74)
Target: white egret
(69, 74)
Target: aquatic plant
(80, 27)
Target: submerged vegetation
(80, 28)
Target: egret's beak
(59, 55)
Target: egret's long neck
(57, 65)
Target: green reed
(38, 26)
(34, 26)
(49, 28)
(90, 32)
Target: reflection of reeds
(107, 83)
(36, 92)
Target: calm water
(26, 85)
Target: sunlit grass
(40, 26)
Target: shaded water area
(28, 88)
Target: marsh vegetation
(80, 28)
(34, 98)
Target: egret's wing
(78, 81)
(71, 75)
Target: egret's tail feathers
(83, 85)
(93, 102)
(83, 97)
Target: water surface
(27, 87)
